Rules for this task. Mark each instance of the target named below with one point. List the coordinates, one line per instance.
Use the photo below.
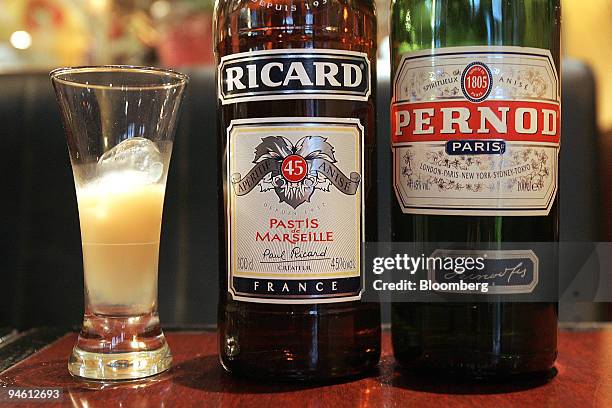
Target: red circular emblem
(476, 82)
(294, 168)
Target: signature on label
(518, 271)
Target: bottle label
(295, 209)
(294, 74)
(504, 271)
(475, 131)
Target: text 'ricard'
(294, 74)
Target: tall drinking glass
(119, 124)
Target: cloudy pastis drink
(120, 229)
(120, 123)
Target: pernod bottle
(476, 123)
(296, 138)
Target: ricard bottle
(296, 148)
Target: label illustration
(294, 74)
(475, 131)
(295, 209)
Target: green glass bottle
(476, 93)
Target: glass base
(119, 346)
(119, 366)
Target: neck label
(294, 74)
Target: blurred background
(40, 258)
(38, 34)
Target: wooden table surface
(584, 379)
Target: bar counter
(582, 378)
